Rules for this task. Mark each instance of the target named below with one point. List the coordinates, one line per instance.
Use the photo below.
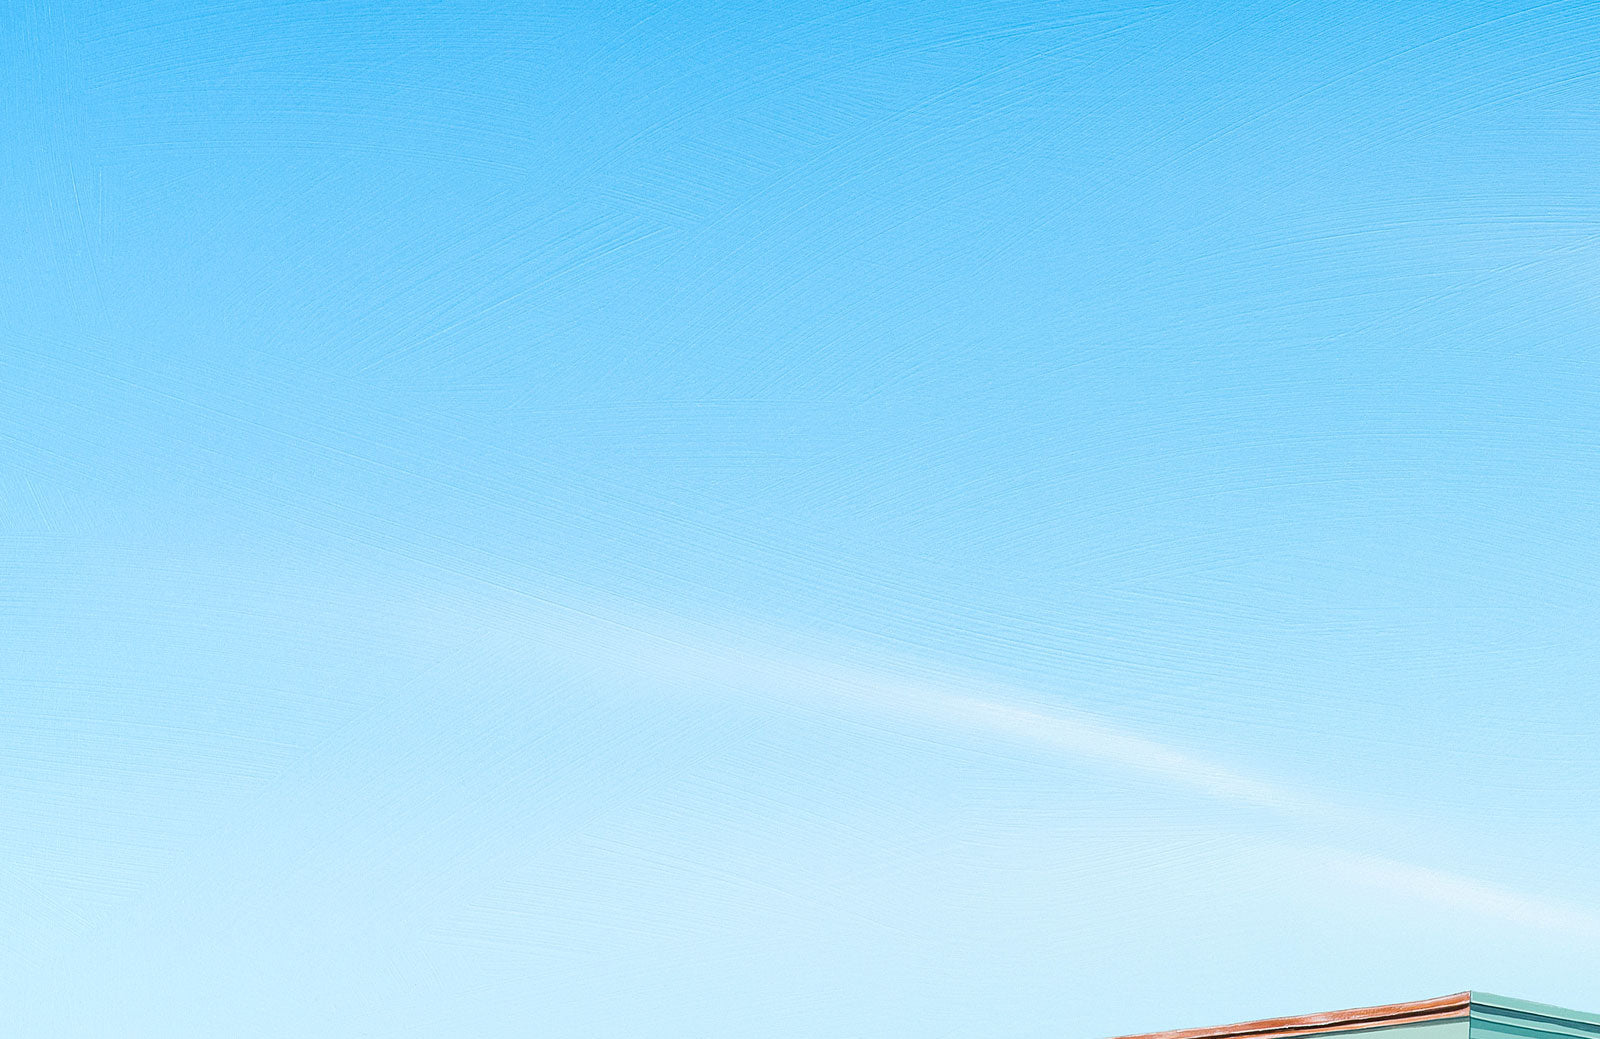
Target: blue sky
(864, 519)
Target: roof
(1459, 1005)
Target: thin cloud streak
(1022, 717)
(952, 702)
(1466, 894)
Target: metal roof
(1459, 1005)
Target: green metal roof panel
(1467, 1015)
(1501, 1017)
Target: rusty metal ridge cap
(1458, 1005)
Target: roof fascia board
(1442, 1008)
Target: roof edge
(1457, 1005)
(1532, 1009)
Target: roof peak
(1457, 1005)
(1528, 1007)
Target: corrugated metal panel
(1501, 1017)
(1394, 1015)
(1465, 1015)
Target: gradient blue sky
(863, 519)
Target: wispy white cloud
(920, 696)
(1465, 894)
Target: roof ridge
(1457, 1004)
(1550, 1011)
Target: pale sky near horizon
(860, 519)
